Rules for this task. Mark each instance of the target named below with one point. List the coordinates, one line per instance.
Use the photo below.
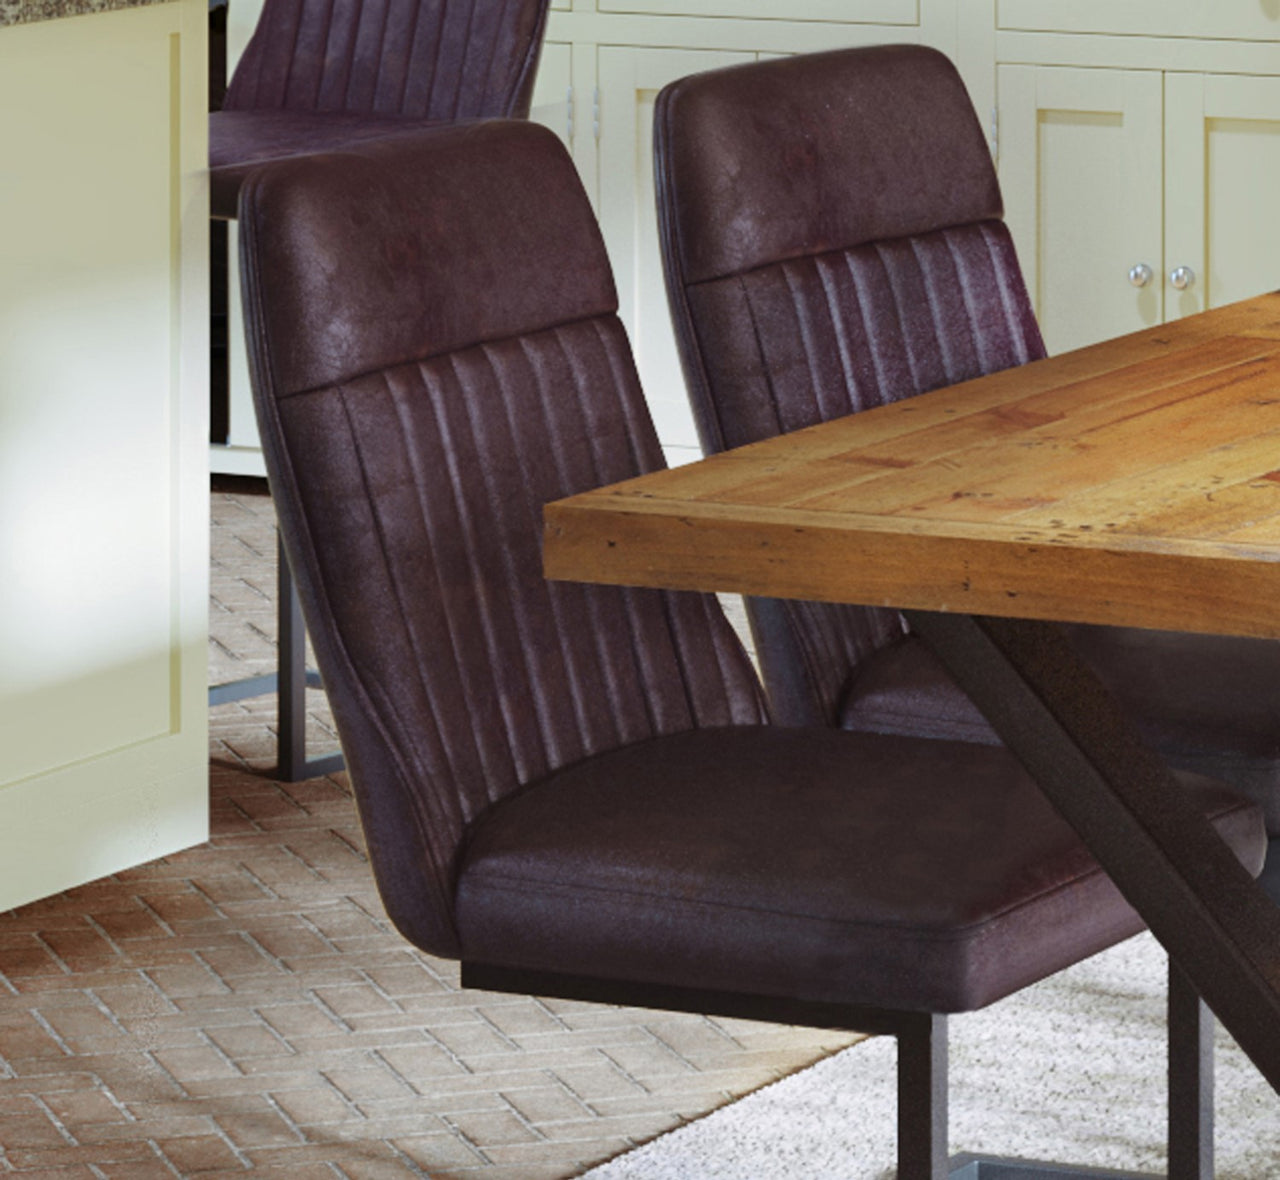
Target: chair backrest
(435, 353)
(832, 240)
(428, 59)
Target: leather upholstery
(790, 310)
(321, 75)
(832, 241)
(573, 777)
(803, 156)
(1209, 703)
(818, 864)
(431, 364)
(240, 141)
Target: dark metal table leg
(1190, 1081)
(1048, 707)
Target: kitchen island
(103, 407)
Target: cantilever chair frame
(923, 1065)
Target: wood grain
(1135, 482)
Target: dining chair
(571, 788)
(318, 75)
(832, 239)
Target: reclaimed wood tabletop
(1134, 482)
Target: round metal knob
(1182, 278)
(1140, 275)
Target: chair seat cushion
(241, 140)
(812, 863)
(1209, 703)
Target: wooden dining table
(1135, 482)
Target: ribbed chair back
(423, 398)
(832, 240)
(427, 59)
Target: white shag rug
(1070, 1070)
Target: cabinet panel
(1081, 168)
(630, 79)
(1238, 19)
(1222, 137)
(103, 487)
(889, 12)
(564, 100)
(553, 104)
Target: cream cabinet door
(104, 494)
(553, 98)
(630, 79)
(1080, 159)
(1234, 19)
(1222, 175)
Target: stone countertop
(22, 12)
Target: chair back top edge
(511, 273)
(804, 155)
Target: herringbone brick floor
(246, 1007)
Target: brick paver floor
(245, 1006)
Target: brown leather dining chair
(318, 75)
(574, 789)
(832, 239)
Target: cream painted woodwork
(1105, 170)
(1229, 19)
(1222, 174)
(630, 79)
(104, 503)
(1138, 132)
(886, 12)
(553, 104)
(1081, 171)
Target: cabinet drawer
(1227, 19)
(872, 12)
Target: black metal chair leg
(922, 1099)
(1190, 1080)
(290, 683)
(292, 686)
